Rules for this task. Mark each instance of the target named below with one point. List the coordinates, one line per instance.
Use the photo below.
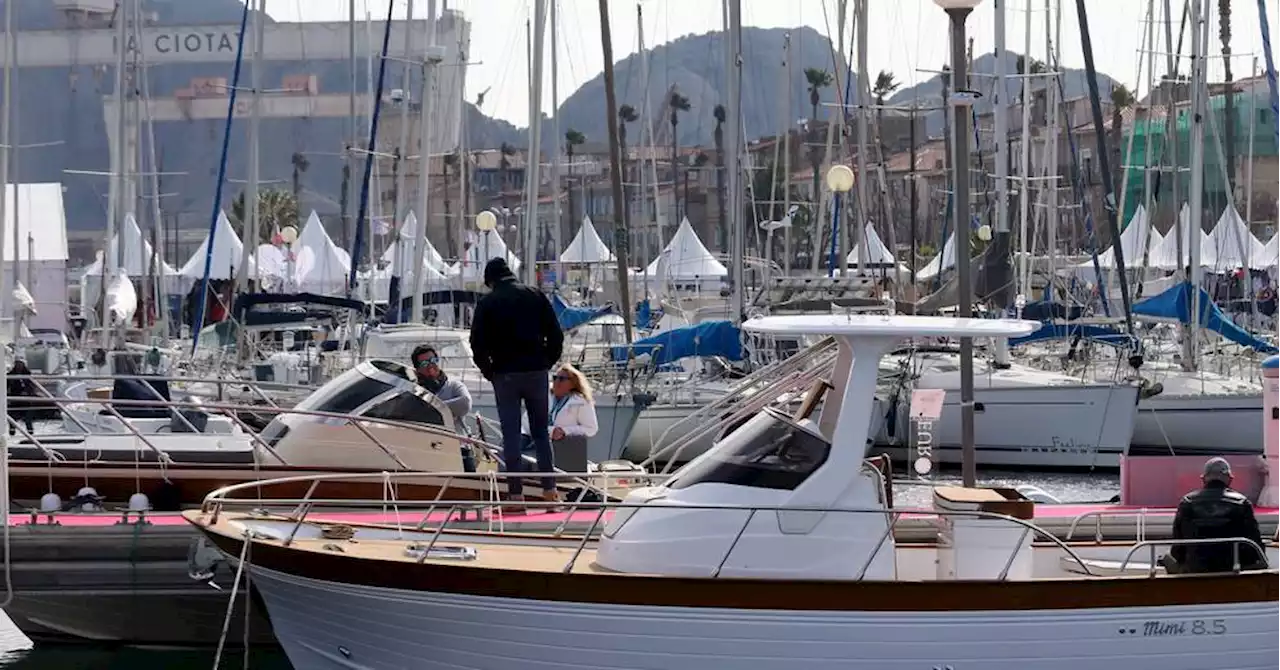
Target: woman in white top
(573, 410)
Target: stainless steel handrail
(1235, 550)
(1097, 515)
(216, 500)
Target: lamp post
(960, 101)
(840, 181)
(486, 221)
(289, 235)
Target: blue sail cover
(709, 338)
(1175, 303)
(571, 317)
(1062, 331)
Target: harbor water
(19, 653)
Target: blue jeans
(510, 389)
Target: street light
(840, 181)
(960, 102)
(486, 221)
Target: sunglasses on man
(427, 362)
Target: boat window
(768, 452)
(349, 391)
(406, 406)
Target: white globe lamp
(486, 221)
(840, 178)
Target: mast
(398, 211)
(859, 227)
(1104, 164)
(528, 230)
(433, 59)
(1199, 29)
(1024, 165)
(620, 237)
(652, 161)
(788, 252)
(6, 117)
(733, 144)
(1051, 106)
(1001, 111)
(555, 141)
(249, 226)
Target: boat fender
(202, 560)
(87, 499)
(1149, 389)
(50, 502)
(139, 502)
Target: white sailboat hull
(329, 625)
(1081, 426)
(1214, 424)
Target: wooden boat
(773, 549)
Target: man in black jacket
(516, 340)
(1215, 511)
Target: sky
(905, 37)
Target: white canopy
(945, 260)
(137, 253)
(877, 253)
(685, 258)
(430, 257)
(1233, 245)
(488, 245)
(1138, 237)
(1165, 255)
(1269, 256)
(587, 247)
(226, 253)
(319, 266)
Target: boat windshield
(769, 451)
(345, 393)
(406, 406)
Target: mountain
(694, 65)
(928, 93)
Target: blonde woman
(572, 414)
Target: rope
(235, 587)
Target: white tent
(1269, 255)
(1233, 245)
(686, 259)
(878, 254)
(319, 266)
(408, 234)
(488, 245)
(137, 253)
(1138, 238)
(587, 247)
(1165, 255)
(945, 260)
(226, 254)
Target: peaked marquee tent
(227, 250)
(686, 258)
(587, 247)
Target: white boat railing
(218, 501)
(1139, 516)
(1236, 543)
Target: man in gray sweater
(453, 393)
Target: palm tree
(1229, 108)
(276, 209)
(1121, 99)
(677, 103)
(818, 79)
(572, 138)
(505, 151)
(720, 117)
(626, 114)
(300, 165)
(451, 160)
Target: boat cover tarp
(1043, 310)
(571, 317)
(244, 304)
(437, 298)
(709, 338)
(1175, 303)
(1061, 331)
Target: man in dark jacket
(1215, 511)
(516, 340)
